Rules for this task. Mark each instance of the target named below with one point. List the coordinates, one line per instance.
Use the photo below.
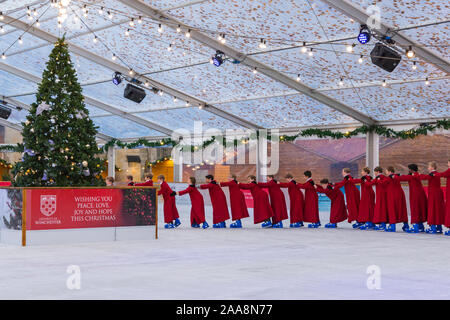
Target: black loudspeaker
(384, 57)
(5, 112)
(134, 93)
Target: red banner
(89, 208)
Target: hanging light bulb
(95, 40)
(85, 14)
(350, 48)
(132, 22)
(59, 24)
(298, 78)
(160, 28)
(187, 104)
(28, 10)
(169, 48)
(410, 53)
(127, 32)
(1, 16)
(131, 72)
(255, 71)
(384, 84)
(146, 84)
(160, 92)
(262, 44)
(114, 57)
(219, 37)
(304, 48)
(223, 39)
(188, 33)
(100, 11)
(140, 20)
(311, 53)
(3, 56)
(414, 66)
(178, 29)
(200, 106)
(360, 60)
(35, 12)
(65, 3)
(341, 82)
(20, 40)
(2, 30)
(110, 15)
(30, 17)
(427, 81)
(175, 99)
(38, 24)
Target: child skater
(197, 205)
(237, 201)
(367, 203)
(396, 202)
(218, 201)
(311, 213)
(277, 201)
(436, 205)
(262, 211)
(417, 198)
(380, 214)
(171, 217)
(296, 201)
(351, 195)
(148, 181)
(338, 211)
(446, 174)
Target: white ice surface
(234, 264)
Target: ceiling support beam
(108, 63)
(248, 61)
(113, 110)
(358, 14)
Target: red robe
(436, 204)
(130, 184)
(262, 210)
(237, 200)
(380, 214)
(446, 174)
(197, 204)
(148, 183)
(417, 197)
(277, 200)
(352, 197)
(170, 207)
(311, 211)
(396, 201)
(367, 203)
(218, 201)
(296, 201)
(338, 211)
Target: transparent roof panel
(118, 127)
(11, 85)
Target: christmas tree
(58, 135)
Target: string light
(262, 44)
(200, 106)
(410, 53)
(127, 32)
(146, 83)
(1, 16)
(219, 37)
(114, 57)
(2, 30)
(360, 60)
(350, 48)
(131, 72)
(3, 56)
(384, 84)
(178, 29)
(311, 53)
(169, 48)
(35, 12)
(100, 11)
(187, 104)
(140, 20)
(38, 24)
(132, 22)
(223, 39)
(30, 17)
(175, 99)
(85, 14)
(298, 78)
(188, 33)
(110, 15)
(160, 28)
(95, 39)
(20, 40)
(427, 81)
(28, 10)
(414, 66)
(341, 82)
(160, 92)
(59, 24)
(255, 71)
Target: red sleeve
(284, 184)
(445, 174)
(424, 176)
(205, 186)
(404, 177)
(246, 186)
(225, 184)
(263, 184)
(339, 185)
(185, 191)
(356, 180)
(306, 185)
(320, 189)
(161, 190)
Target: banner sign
(89, 208)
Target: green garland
(152, 163)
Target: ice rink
(234, 264)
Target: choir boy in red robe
(109, 181)
(148, 181)
(446, 174)
(296, 201)
(130, 181)
(352, 197)
(436, 204)
(171, 217)
(277, 201)
(338, 211)
(237, 201)
(262, 211)
(380, 214)
(197, 205)
(367, 203)
(311, 213)
(218, 201)
(417, 198)
(396, 202)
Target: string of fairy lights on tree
(306, 47)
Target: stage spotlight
(117, 79)
(5, 112)
(218, 58)
(364, 34)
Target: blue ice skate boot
(177, 223)
(314, 225)
(381, 226)
(195, 225)
(223, 225)
(421, 227)
(169, 226)
(367, 226)
(295, 225)
(391, 228)
(301, 224)
(432, 229)
(267, 224)
(357, 225)
(405, 227)
(216, 226)
(205, 225)
(414, 228)
(236, 225)
(331, 225)
(447, 233)
(439, 228)
(278, 225)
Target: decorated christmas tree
(58, 135)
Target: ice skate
(223, 224)
(205, 225)
(278, 225)
(331, 225)
(314, 225)
(432, 229)
(439, 228)
(367, 226)
(391, 228)
(195, 225)
(216, 226)
(357, 225)
(295, 225)
(447, 233)
(381, 226)
(177, 223)
(414, 228)
(236, 225)
(405, 227)
(169, 226)
(266, 224)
